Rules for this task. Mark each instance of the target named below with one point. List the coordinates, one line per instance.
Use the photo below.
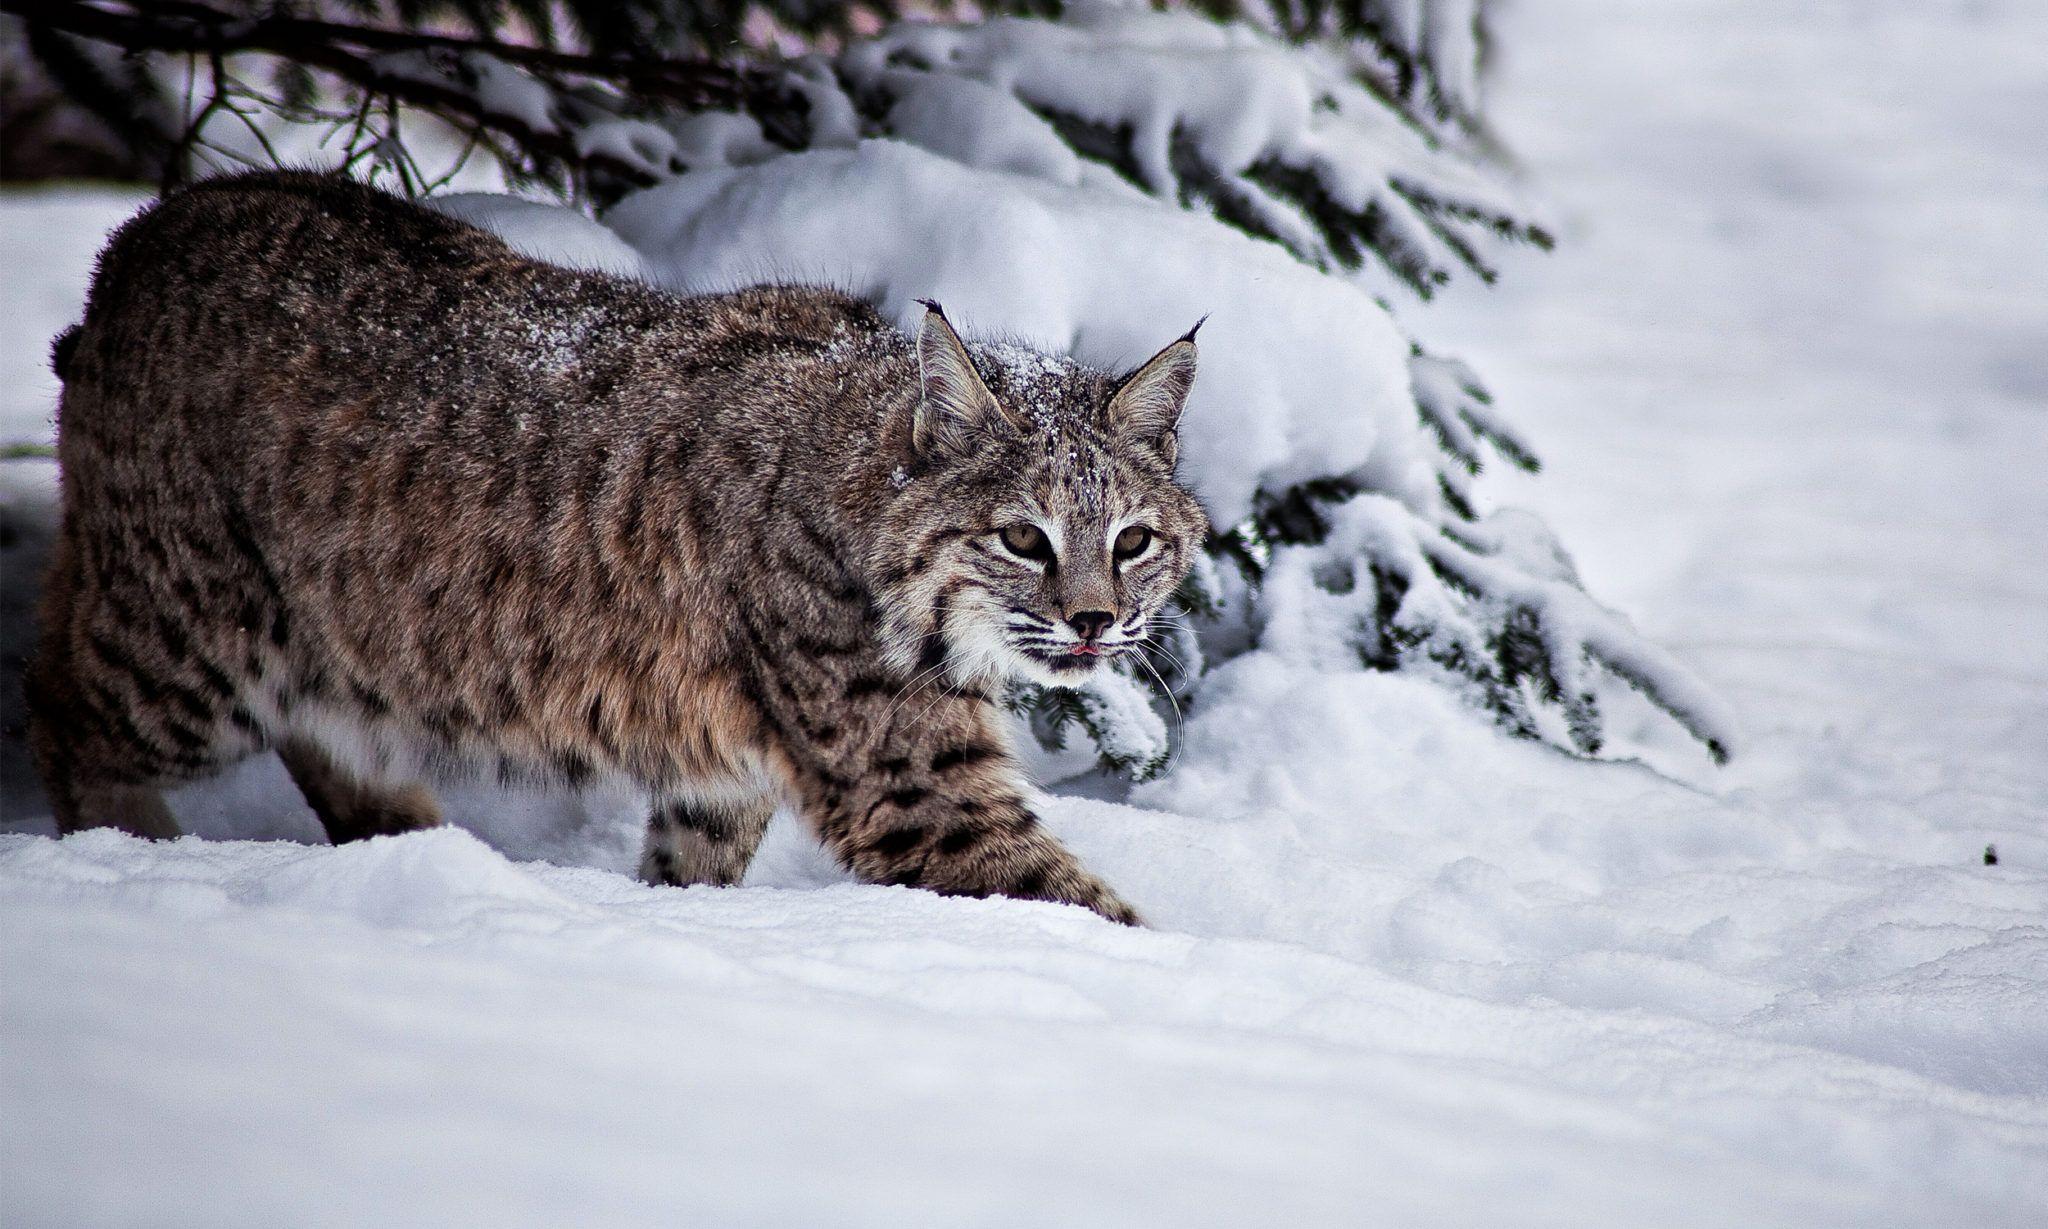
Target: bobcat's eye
(1132, 542)
(1026, 540)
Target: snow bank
(415, 1031)
(1070, 270)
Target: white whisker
(1179, 721)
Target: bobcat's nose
(1091, 623)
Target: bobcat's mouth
(1067, 664)
(1077, 658)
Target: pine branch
(1351, 177)
(127, 102)
(186, 26)
(389, 64)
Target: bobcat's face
(1040, 525)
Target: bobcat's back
(339, 464)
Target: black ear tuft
(1189, 336)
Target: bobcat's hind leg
(693, 841)
(138, 810)
(98, 767)
(351, 808)
(81, 799)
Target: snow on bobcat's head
(1036, 526)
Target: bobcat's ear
(954, 400)
(1147, 405)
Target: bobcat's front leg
(703, 841)
(929, 796)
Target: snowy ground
(1788, 375)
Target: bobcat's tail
(63, 348)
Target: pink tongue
(1086, 650)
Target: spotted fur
(349, 480)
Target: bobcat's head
(1036, 527)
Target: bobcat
(347, 479)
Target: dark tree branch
(184, 26)
(358, 55)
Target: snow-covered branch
(1280, 141)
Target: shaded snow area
(1787, 373)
